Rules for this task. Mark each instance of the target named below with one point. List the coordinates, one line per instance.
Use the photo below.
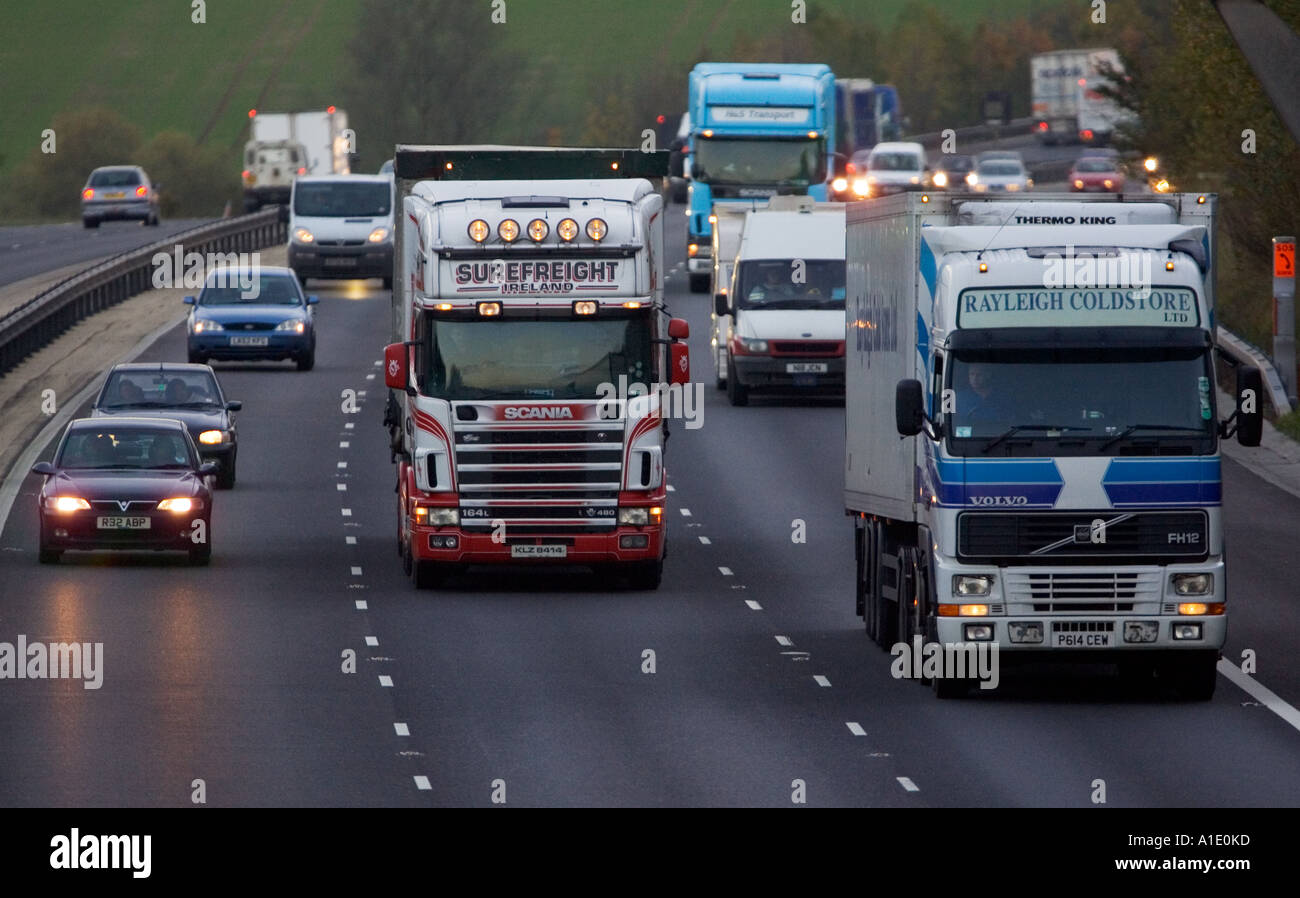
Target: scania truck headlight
(633, 516)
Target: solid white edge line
(907, 784)
(22, 465)
(856, 728)
(1261, 693)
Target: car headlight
(302, 235)
(839, 185)
(294, 325)
(861, 187)
(180, 505)
(211, 437)
(65, 504)
(1078, 184)
(206, 325)
(964, 585)
(755, 346)
(972, 179)
(378, 235)
(1193, 584)
(634, 516)
(940, 179)
(1013, 186)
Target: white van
(780, 327)
(341, 226)
(894, 167)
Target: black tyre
(429, 574)
(886, 611)
(49, 556)
(251, 205)
(201, 555)
(737, 393)
(197, 358)
(307, 360)
(645, 575)
(950, 687)
(1194, 676)
(388, 283)
(226, 476)
(719, 378)
(90, 222)
(699, 283)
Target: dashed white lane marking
(753, 606)
(385, 680)
(422, 783)
(1262, 694)
(347, 512)
(378, 362)
(705, 541)
(349, 426)
(725, 571)
(356, 570)
(686, 512)
(402, 729)
(361, 605)
(341, 487)
(783, 640)
(671, 488)
(361, 392)
(343, 444)
(350, 540)
(372, 640)
(907, 784)
(370, 377)
(856, 728)
(342, 465)
(821, 681)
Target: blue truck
(757, 130)
(867, 113)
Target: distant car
(119, 192)
(386, 168)
(1000, 176)
(125, 483)
(950, 172)
(986, 155)
(272, 319)
(1099, 173)
(190, 394)
(891, 167)
(341, 226)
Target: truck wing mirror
(680, 359)
(396, 365)
(678, 329)
(909, 411)
(721, 305)
(1250, 397)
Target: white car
(1000, 176)
(892, 167)
(341, 226)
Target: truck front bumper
(766, 372)
(455, 545)
(369, 260)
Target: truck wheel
(950, 687)
(251, 205)
(1194, 677)
(388, 283)
(699, 283)
(90, 222)
(645, 574)
(429, 574)
(886, 625)
(737, 393)
(908, 596)
(720, 369)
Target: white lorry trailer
(1056, 489)
(1064, 87)
(780, 327)
(284, 145)
(531, 353)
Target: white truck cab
(780, 326)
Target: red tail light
(1042, 126)
(1086, 134)
(302, 171)
(142, 191)
(88, 194)
(850, 168)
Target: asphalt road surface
(29, 250)
(532, 686)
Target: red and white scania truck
(531, 352)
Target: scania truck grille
(539, 479)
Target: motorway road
(29, 250)
(231, 673)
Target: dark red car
(1096, 173)
(133, 484)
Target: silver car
(119, 192)
(1000, 176)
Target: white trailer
(1056, 490)
(1059, 81)
(284, 145)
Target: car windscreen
(1094, 165)
(342, 199)
(782, 162)
(1001, 169)
(266, 290)
(956, 163)
(140, 390)
(126, 448)
(895, 162)
(791, 284)
(115, 177)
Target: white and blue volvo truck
(1032, 434)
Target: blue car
(252, 314)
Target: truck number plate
(539, 551)
(117, 523)
(806, 368)
(1083, 640)
(248, 341)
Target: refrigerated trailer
(1032, 450)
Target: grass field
(146, 59)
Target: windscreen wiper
(1132, 427)
(1019, 427)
